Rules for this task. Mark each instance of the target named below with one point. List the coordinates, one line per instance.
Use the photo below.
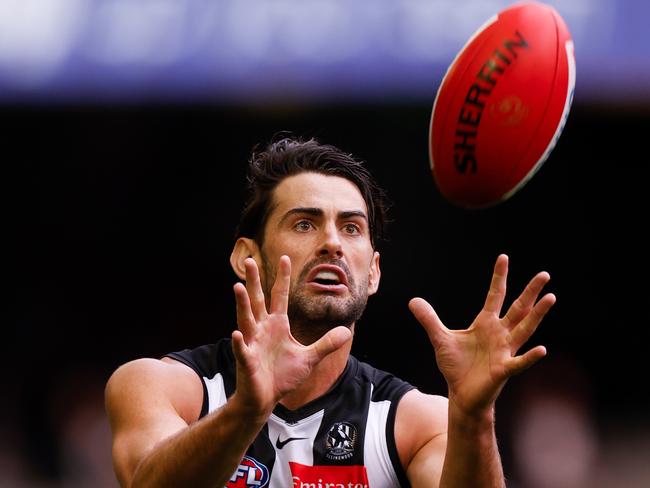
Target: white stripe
(381, 473)
(298, 451)
(216, 392)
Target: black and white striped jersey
(344, 439)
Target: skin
(153, 405)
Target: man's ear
(244, 248)
(374, 274)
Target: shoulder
(147, 401)
(150, 381)
(430, 406)
(420, 421)
(386, 386)
(209, 359)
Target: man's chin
(327, 313)
(325, 320)
(308, 329)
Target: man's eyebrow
(353, 213)
(313, 211)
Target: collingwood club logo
(341, 440)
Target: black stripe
(344, 421)
(224, 359)
(207, 361)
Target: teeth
(327, 275)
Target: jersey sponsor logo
(280, 444)
(250, 473)
(341, 440)
(328, 476)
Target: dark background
(125, 128)
(121, 222)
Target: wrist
(250, 410)
(471, 423)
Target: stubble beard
(312, 316)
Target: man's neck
(322, 378)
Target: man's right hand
(151, 403)
(270, 361)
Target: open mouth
(328, 276)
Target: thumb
(330, 342)
(427, 316)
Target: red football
(502, 105)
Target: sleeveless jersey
(344, 439)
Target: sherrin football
(502, 105)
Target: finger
(245, 319)
(522, 305)
(527, 327)
(254, 289)
(240, 350)
(427, 316)
(280, 291)
(497, 292)
(330, 342)
(518, 364)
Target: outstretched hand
(476, 362)
(270, 362)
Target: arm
(151, 404)
(476, 364)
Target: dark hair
(288, 157)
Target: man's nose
(331, 244)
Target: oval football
(502, 105)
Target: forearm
(205, 454)
(472, 456)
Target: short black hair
(291, 156)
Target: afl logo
(250, 473)
(510, 111)
(341, 440)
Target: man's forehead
(314, 190)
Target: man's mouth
(328, 277)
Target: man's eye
(303, 226)
(351, 229)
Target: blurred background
(125, 130)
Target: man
(283, 403)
